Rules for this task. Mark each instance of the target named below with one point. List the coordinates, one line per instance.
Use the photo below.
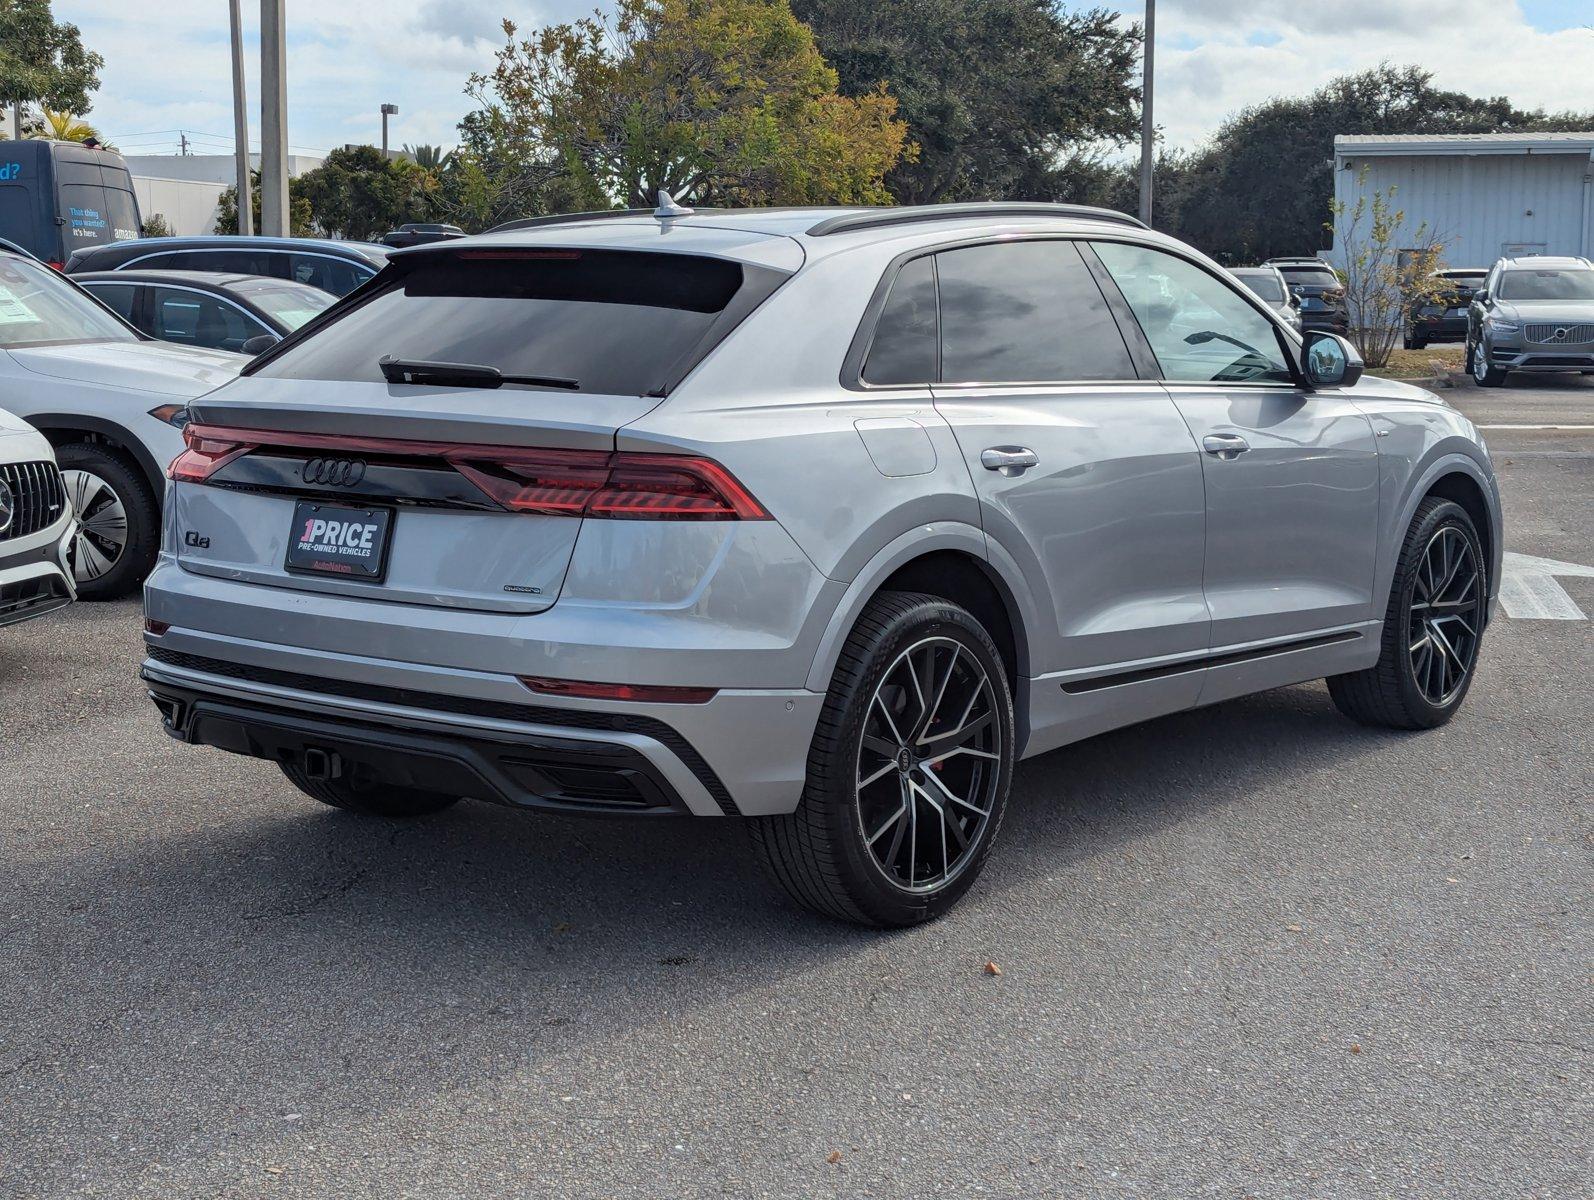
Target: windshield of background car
(1310, 276)
(288, 304)
(39, 308)
(615, 321)
(1266, 286)
(1547, 285)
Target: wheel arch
(1455, 475)
(63, 429)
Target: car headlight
(1505, 328)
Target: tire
(1482, 373)
(119, 536)
(365, 800)
(1398, 692)
(820, 854)
(1413, 342)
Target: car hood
(155, 367)
(1568, 312)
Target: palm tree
(428, 158)
(68, 127)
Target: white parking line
(1536, 426)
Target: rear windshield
(39, 308)
(291, 304)
(1547, 285)
(1266, 286)
(615, 322)
(1314, 276)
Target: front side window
(195, 319)
(1025, 312)
(1201, 329)
(118, 297)
(615, 322)
(1547, 285)
(39, 308)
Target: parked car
(242, 313)
(1534, 315)
(419, 233)
(1442, 317)
(36, 526)
(336, 267)
(60, 197)
(1319, 290)
(804, 515)
(111, 402)
(1270, 287)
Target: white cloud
(167, 64)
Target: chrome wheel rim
(1446, 616)
(929, 765)
(101, 538)
(1480, 363)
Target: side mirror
(259, 344)
(1331, 361)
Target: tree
(1259, 187)
(428, 158)
(1388, 268)
(715, 101)
(155, 225)
(994, 92)
(42, 62)
(299, 223)
(68, 127)
(360, 193)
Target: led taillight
(644, 693)
(625, 486)
(207, 451)
(554, 483)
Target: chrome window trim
(350, 260)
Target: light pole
(1148, 129)
(274, 220)
(240, 124)
(388, 110)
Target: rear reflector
(639, 693)
(557, 483)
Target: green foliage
(359, 193)
(427, 158)
(1258, 188)
(156, 225)
(994, 92)
(43, 62)
(299, 223)
(716, 101)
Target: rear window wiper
(445, 374)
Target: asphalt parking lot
(1252, 950)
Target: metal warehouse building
(1484, 194)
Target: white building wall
(188, 205)
(210, 168)
(1481, 205)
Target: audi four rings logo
(8, 507)
(334, 472)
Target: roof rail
(570, 218)
(913, 214)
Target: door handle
(1008, 460)
(1225, 445)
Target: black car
(1442, 316)
(1314, 283)
(242, 313)
(417, 233)
(336, 267)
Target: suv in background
(1321, 293)
(336, 267)
(1534, 315)
(1443, 316)
(1270, 287)
(808, 516)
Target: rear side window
(241, 262)
(334, 275)
(1025, 312)
(615, 322)
(904, 346)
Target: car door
(1291, 474)
(1087, 477)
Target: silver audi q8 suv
(819, 518)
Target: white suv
(36, 526)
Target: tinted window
(38, 307)
(1312, 276)
(95, 215)
(118, 296)
(334, 275)
(617, 322)
(1200, 328)
(1019, 312)
(903, 350)
(241, 261)
(195, 319)
(1266, 286)
(1547, 285)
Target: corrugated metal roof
(1465, 143)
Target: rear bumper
(1440, 329)
(487, 737)
(1325, 322)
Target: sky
(167, 67)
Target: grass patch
(1419, 364)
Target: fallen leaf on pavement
(992, 969)
(833, 1157)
